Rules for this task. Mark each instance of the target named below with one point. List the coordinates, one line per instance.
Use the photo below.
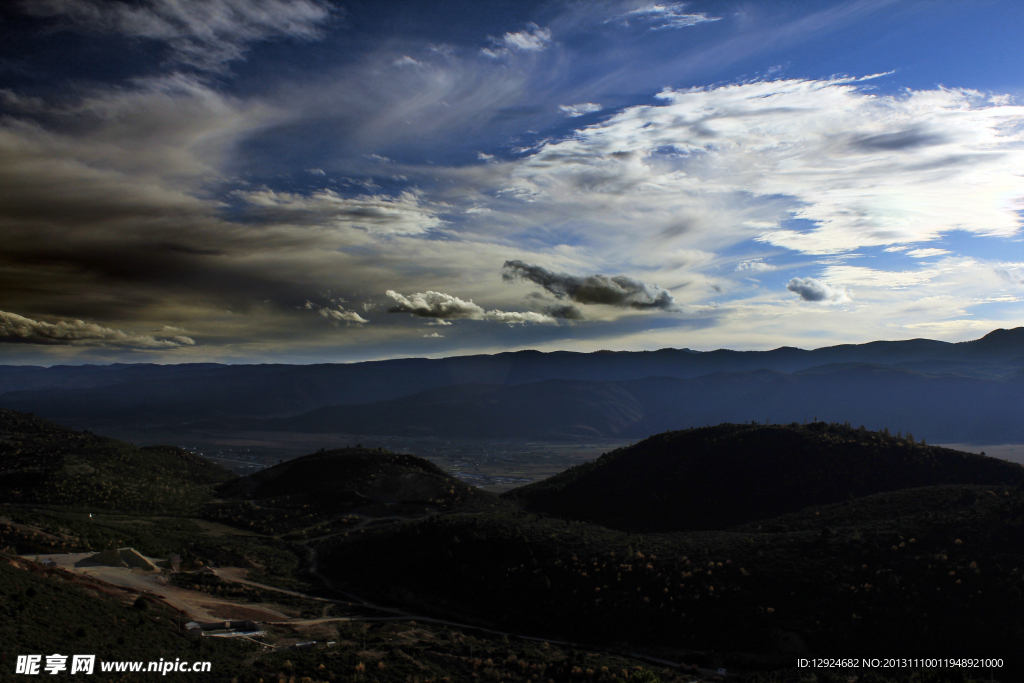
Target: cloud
(406, 60)
(403, 214)
(564, 311)
(811, 289)
(574, 110)
(621, 291)
(15, 328)
(712, 167)
(433, 335)
(533, 39)
(754, 266)
(447, 307)
(204, 35)
(667, 16)
(337, 314)
(925, 253)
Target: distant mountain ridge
(966, 391)
(949, 408)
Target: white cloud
(406, 60)
(19, 329)
(925, 253)
(447, 307)
(713, 166)
(202, 34)
(403, 214)
(533, 39)
(861, 276)
(670, 15)
(434, 335)
(754, 266)
(811, 289)
(574, 110)
(336, 314)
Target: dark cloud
(564, 311)
(619, 290)
(900, 140)
(15, 328)
(811, 289)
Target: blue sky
(309, 180)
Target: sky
(308, 181)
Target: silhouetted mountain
(148, 393)
(717, 477)
(42, 462)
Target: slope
(717, 477)
(356, 479)
(44, 463)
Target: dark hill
(44, 463)
(927, 570)
(717, 477)
(356, 479)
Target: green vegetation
(717, 477)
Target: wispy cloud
(336, 313)
(401, 214)
(926, 253)
(754, 266)
(667, 16)
(575, 110)
(205, 35)
(533, 39)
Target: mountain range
(953, 392)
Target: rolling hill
(718, 477)
(356, 479)
(44, 463)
